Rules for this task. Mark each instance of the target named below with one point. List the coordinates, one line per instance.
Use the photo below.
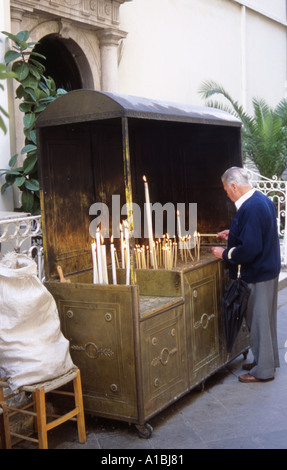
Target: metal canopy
(91, 105)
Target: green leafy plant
(35, 91)
(264, 134)
(4, 74)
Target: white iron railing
(17, 231)
(276, 190)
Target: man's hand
(224, 234)
(217, 251)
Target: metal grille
(276, 190)
(16, 231)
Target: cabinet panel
(203, 322)
(164, 364)
(102, 345)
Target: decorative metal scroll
(204, 321)
(276, 190)
(16, 231)
(92, 350)
(164, 356)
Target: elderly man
(252, 243)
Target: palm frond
(264, 134)
(221, 106)
(281, 110)
(210, 88)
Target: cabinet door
(98, 322)
(163, 355)
(203, 322)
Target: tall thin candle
(95, 267)
(99, 257)
(128, 267)
(104, 263)
(122, 247)
(149, 221)
(178, 224)
(114, 272)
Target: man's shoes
(249, 366)
(250, 379)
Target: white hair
(236, 175)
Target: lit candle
(149, 221)
(195, 243)
(175, 254)
(122, 247)
(128, 267)
(154, 257)
(178, 224)
(104, 263)
(114, 273)
(160, 252)
(117, 259)
(189, 251)
(95, 268)
(208, 234)
(99, 256)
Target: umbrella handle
(238, 271)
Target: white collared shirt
(244, 198)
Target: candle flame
(144, 178)
(112, 239)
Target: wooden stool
(4, 427)
(42, 426)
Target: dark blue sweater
(254, 233)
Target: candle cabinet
(140, 346)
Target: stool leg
(79, 404)
(4, 427)
(41, 418)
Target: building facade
(160, 49)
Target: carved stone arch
(90, 31)
(84, 45)
(84, 50)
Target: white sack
(32, 347)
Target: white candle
(122, 248)
(196, 237)
(99, 256)
(114, 273)
(178, 225)
(116, 256)
(95, 268)
(128, 267)
(149, 221)
(104, 264)
(208, 234)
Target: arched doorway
(65, 62)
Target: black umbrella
(235, 301)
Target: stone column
(17, 136)
(109, 42)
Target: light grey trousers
(261, 318)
